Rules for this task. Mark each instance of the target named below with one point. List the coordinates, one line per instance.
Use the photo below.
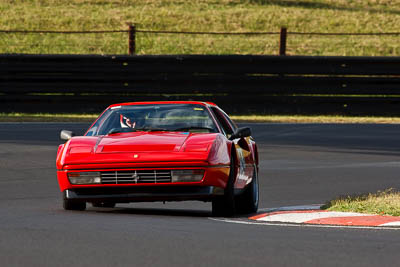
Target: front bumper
(215, 176)
(143, 193)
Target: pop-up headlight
(187, 175)
(84, 177)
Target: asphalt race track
(300, 165)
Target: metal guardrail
(238, 83)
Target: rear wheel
(248, 201)
(225, 205)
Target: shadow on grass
(319, 5)
(283, 3)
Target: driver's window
(226, 127)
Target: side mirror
(66, 135)
(240, 133)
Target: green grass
(58, 117)
(201, 15)
(384, 203)
(46, 117)
(314, 119)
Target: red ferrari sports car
(160, 151)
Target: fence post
(282, 42)
(132, 39)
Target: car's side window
(222, 121)
(231, 123)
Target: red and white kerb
(328, 218)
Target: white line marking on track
(302, 225)
(386, 226)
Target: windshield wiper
(187, 129)
(129, 130)
(151, 129)
(121, 130)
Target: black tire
(103, 205)
(73, 204)
(248, 201)
(225, 205)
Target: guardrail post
(132, 39)
(282, 42)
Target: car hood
(141, 142)
(136, 147)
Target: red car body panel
(158, 150)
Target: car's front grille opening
(136, 177)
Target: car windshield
(157, 117)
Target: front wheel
(69, 204)
(248, 201)
(73, 204)
(225, 205)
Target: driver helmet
(126, 122)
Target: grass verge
(314, 119)
(46, 117)
(383, 203)
(63, 117)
